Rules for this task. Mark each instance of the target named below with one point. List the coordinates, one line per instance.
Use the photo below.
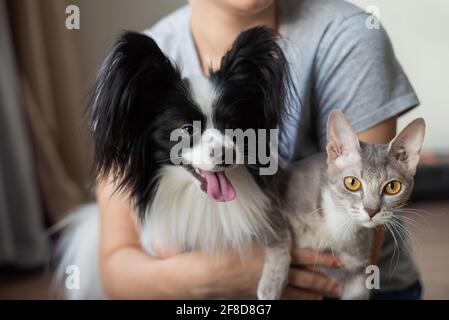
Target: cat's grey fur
(325, 216)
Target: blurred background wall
(418, 29)
(103, 20)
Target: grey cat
(336, 200)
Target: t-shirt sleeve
(357, 72)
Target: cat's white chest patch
(339, 223)
(310, 231)
(329, 227)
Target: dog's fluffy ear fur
(132, 87)
(255, 73)
(133, 79)
(254, 81)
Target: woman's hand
(305, 282)
(228, 276)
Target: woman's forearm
(129, 273)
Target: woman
(338, 62)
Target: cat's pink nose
(372, 212)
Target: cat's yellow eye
(393, 187)
(352, 183)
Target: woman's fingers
(313, 281)
(307, 257)
(293, 293)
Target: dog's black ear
(130, 90)
(257, 75)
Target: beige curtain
(54, 102)
(23, 242)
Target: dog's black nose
(226, 157)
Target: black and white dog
(188, 198)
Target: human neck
(214, 29)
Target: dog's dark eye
(187, 129)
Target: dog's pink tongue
(219, 187)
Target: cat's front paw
(359, 296)
(271, 291)
(355, 289)
(274, 273)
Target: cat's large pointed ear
(406, 146)
(343, 146)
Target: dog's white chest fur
(182, 217)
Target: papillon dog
(170, 143)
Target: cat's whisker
(346, 225)
(318, 251)
(321, 209)
(405, 213)
(329, 240)
(402, 233)
(406, 232)
(410, 206)
(414, 210)
(409, 210)
(396, 246)
(315, 211)
(420, 211)
(408, 220)
(405, 235)
(350, 224)
(324, 242)
(395, 258)
(398, 214)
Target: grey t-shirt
(338, 63)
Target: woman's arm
(127, 272)
(383, 133)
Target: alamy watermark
(73, 277)
(373, 20)
(72, 22)
(253, 147)
(372, 281)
